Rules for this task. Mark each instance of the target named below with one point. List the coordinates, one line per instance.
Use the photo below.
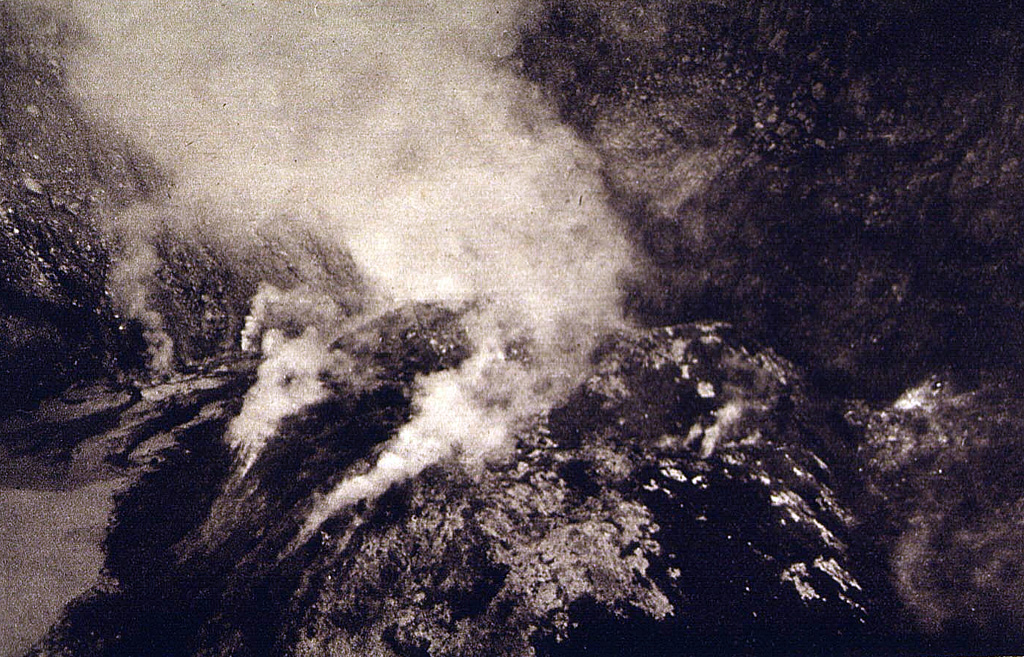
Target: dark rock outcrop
(677, 502)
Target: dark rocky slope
(676, 502)
(63, 180)
(944, 485)
(841, 179)
(55, 174)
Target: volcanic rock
(838, 179)
(945, 472)
(676, 502)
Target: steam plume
(288, 380)
(288, 310)
(131, 282)
(393, 132)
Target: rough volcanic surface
(841, 182)
(943, 465)
(676, 502)
(841, 179)
(57, 324)
(63, 179)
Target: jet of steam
(287, 310)
(447, 420)
(288, 380)
(468, 413)
(395, 133)
(129, 281)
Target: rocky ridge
(676, 501)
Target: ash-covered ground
(522, 328)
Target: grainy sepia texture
(531, 327)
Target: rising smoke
(131, 282)
(396, 133)
(288, 380)
(288, 311)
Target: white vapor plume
(394, 132)
(466, 413)
(448, 418)
(288, 380)
(130, 283)
(289, 311)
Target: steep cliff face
(63, 182)
(842, 179)
(55, 176)
(677, 502)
